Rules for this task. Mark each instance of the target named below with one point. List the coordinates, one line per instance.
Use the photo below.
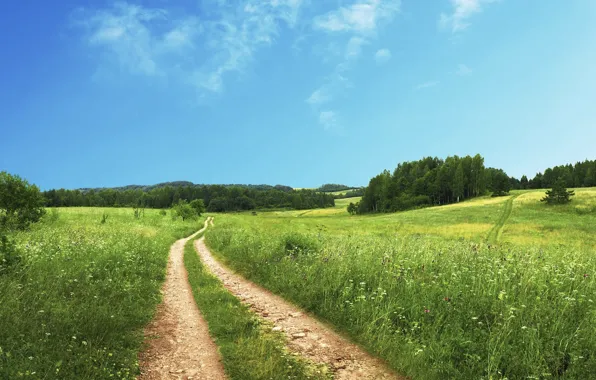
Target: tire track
(495, 233)
(306, 336)
(179, 345)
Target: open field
(76, 305)
(424, 289)
(487, 288)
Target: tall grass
(87, 284)
(433, 308)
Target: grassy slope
(424, 291)
(76, 306)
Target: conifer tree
(559, 194)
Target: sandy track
(179, 345)
(306, 335)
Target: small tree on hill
(184, 210)
(500, 183)
(352, 208)
(198, 205)
(559, 194)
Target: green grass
(250, 350)
(423, 290)
(76, 305)
(573, 224)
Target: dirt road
(306, 336)
(179, 345)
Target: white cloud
(354, 47)
(426, 85)
(463, 70)
(334, 84)
(359, 23)
(319, 96)
(203, 49)
(457, 20)
(149, 41)
(125, 33)
(382, 55)
(328, 119)
(362, 16)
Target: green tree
(458, 182)
(184, 210)
(500, 184)
(559, 194)
(20, 202)
(199, 206)
(589, 178)
(524, 182)
(352, 208)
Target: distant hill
(333, 187)
(175, 184)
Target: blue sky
(297, 92)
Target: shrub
(20, 202)
(295, 243)
(9, 255)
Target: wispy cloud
(204, 49)
(328, 120)
(151, 41)
(361, 17)
(357, 25)
(124, 32)
(457, 20)
(382, 55)
(426, 85)
(463, 70)
(354, 47)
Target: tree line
(431, 181)
(434, 181)
(216, 197)
(582, 174)
(331, 187)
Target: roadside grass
(424, 291)
(250, 350)
(76, 305)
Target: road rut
(179, 345)
(306, 335)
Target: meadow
(488, 288)
(75, 305)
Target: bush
(184, 211)
(295, 243)
(20, 202)
(52, 216)
(9, 255)
(198, 205)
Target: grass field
(489, 288)
(76, 305)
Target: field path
(495, 233)
(179, 345)
(306, 335)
